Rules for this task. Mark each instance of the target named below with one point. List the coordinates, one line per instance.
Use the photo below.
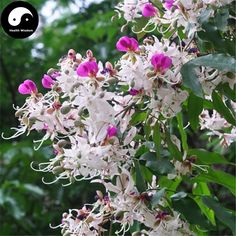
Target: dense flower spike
(149, 10)
(126, 44)
(27, 87)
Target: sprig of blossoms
(182, 14)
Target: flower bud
(51, 71)
(99, 194)
(57, 170)
(71, 54)
(62, 143)
(119, 215)
(32, 120)
(78, 123)
(65, 109)
(111, 80)
(19, 113)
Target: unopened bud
(65, 109)
(78, 123)
(101, 95)
(51, 71)
(111, 80)
(89, 54)
(19, 112)
(119, 215)
(99, 193)
(62, 143)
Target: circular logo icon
(19, 19)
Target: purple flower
(87, 69)
(27, 87)
(169, 4)
(149, 10)
(111, 131)
(47, 81)
(133, 92)
(126, 44)
(161, 62)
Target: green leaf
(157, 138)
(190, 79)
(171, 185)
(182, 131)
(33, 189)
(226, 216)
(172, 148)
(16, 211)
(206, 157)
(221, 18)
(157, 197)
(140, 181)
(202, 189)
(143, 149)
(219, 177)
(206, 211)
(227, 91)
(178, 196)
(161, 166)
(220, 62)
(190, 210)
(221, 108)
(138, 117)
(195, 107)
(148, 156)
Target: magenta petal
(111, 131)
(31, 85)
(134, 44)
(87, 69)
(27, 87)
(123, 44)
(149, 10)
(133, 92)
(161, 62)
(24, 89)
(169, 4)
(47, 81)
(126, 44)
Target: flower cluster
(174, 13)
(89, 114)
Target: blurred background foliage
(27, 206)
